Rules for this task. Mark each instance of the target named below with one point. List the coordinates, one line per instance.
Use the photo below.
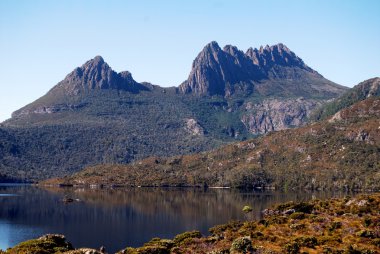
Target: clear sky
(41, 41)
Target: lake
(116, 218)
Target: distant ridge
(365, 89)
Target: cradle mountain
(98, 116)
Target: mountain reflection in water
(117, 218)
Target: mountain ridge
(228, 72)
(214, 70)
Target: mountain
(339, 153)
(95, 115)
(68, 94)
(365, 89)
(264, 72)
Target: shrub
(166, 243)
(187, 235)
(247, 209)
(292, 248)
(303, 207)
(367, 234)
(367, 221)
(307, 241)
(220, 229)
(242, 245)
(329, 239)
(44, 245)
(297, 216)
(335, 225)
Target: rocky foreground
(347, 225)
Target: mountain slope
(340, 153)
(365, 89)
(96, 115)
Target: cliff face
(275, 114)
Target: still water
(116, 218)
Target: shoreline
(335, 225)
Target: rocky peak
(237, 56)
(212, 47)
(232, 50)
(96, 74)
(216, 71)
(206, 76)
(209, 55)
(269, 57)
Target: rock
(359, 203)
(102, 249)
(193, 127)
(289, 211)
(84, 251)
(362, 202)
(362, 136)
(335, 118)
(275, 114)
(53, 237)
(67, 200)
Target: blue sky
(42, 40)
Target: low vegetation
(345, 226)
(44, 245)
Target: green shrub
(187, 235)
(367, 221)
(220, 229)
(242, 245)
(166, 243)
(46, 244)
(307, 241)
(292, 248)
(247, 209)
(329, 239)
(367, 234)
(335, 225)
(297, 216)
(257, 235)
